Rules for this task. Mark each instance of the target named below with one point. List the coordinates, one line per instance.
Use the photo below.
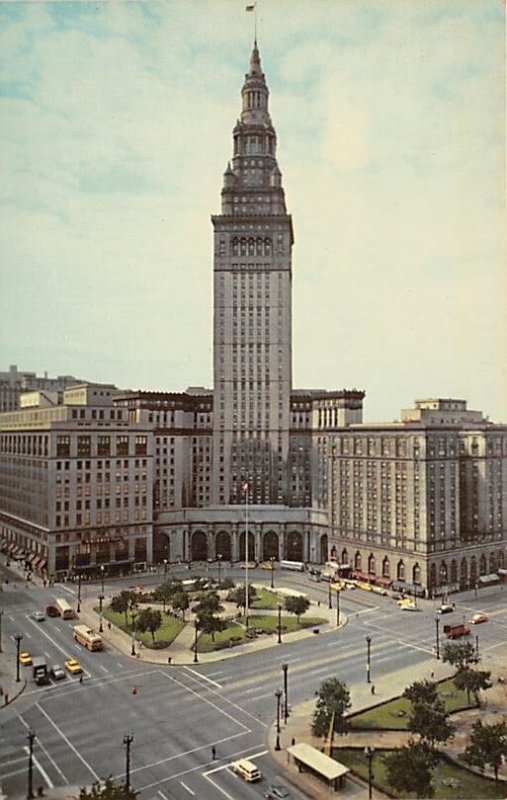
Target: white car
(39, 616)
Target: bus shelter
(309, 759)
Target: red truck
(456, 631)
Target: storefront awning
(493, 578)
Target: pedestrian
(213, 752)
(373, 688)
(81, 678)
(109, 626)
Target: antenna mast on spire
(253, 8)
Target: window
(122, 445)
(84, 446)
(63, 446)
(104, 446)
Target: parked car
(445, 608)
(476, 618)
(39, 616)
(57, 672)
(73, 666)
(410, 607)
(25, 659)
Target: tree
(180, 602)
(471, 680)
(122, 603)
(107, 790)
(149, 620)
(297, 605)
(488, 745)
(238, 595)
(333, 701)
(459, 654)
(429, 720)
(410, 769)
(421, 692)
(209, 623)
(209, 604)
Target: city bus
(65, 609)
(296, 566)
(85, 636)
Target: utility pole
(368, 659)
(1, 615)
(79, 592)
(279, 623)
(127, 741)
(337, 608)
(278, 695)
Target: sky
(115, 131)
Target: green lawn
(451, 782)
(236, 632)
(266, 599)
(169, 630)
(393, 715)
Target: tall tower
(252, 359)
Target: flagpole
(246, 556)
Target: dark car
(276, 792)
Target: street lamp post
(369, 753)
(133, 616)
(278, 695)
(31, 737)
(219, 557)
(196, 658)
(79, 592)
(165, 569)
(18, 637)
(101, 597)
(477, 648)
(337, 608)
(127, 741)
(329, 598)
(437, 642)
(272, 559)
(285, 668)
(279, 623)
(368, 659)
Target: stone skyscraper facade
(252, 312)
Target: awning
(493, 578)
(361, 576)
(317, 761)
(383, 581)
(502, 571)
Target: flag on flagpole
(244, 486)
(250, 8)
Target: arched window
(492, 563)
(444, 578)
(260, 247)
(267, 247)
(345, 557)
(482, 568)
(243, 247)
(371, 564)
(416, 574)
(473, 570)
(463, 574)
(357, 560)
(251, 247)
(400, 571)
(433, 575)
(235, 246)
(386, 570)
(454, 571)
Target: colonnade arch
(294, 546)
(223, 546)
(270, 546)
(199, 546)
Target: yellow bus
(65, 609)
(85, 636)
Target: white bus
(296, 566)
(65, 609)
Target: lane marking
(50, 638)
(105, 669)
(41, 769)
(162, 795)
(204, 677)
(179, 755)
(53, 762)
(215, 784)
(68, 742)
(187, 788)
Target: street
(178, 714)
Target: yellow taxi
(73, 666)
(25, 659)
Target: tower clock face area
(252, 311)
